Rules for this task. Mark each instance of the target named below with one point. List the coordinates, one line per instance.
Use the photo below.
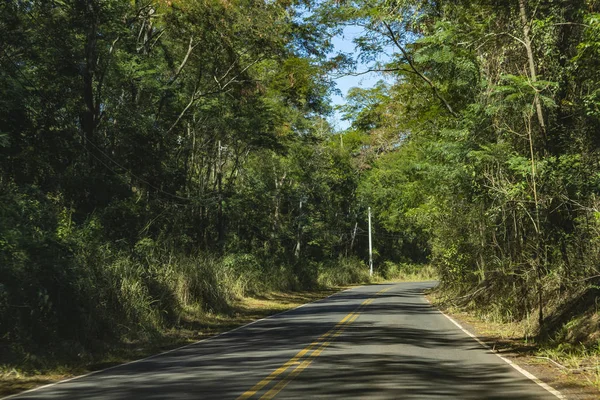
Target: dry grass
(13, 382)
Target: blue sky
(344, 44)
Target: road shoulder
(523, 354)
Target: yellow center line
(295, 361)
(384, 290)
(290, 377)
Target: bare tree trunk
(532, 68)
(88, 120)
(538, 229)
(353, 236)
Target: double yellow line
(305, 356)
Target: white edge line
(168, 351)
(506, 360)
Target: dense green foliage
(484, 145)
(158, 155)
(161, 155)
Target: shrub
(344, 271)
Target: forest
(161, 156)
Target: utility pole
(370, 246)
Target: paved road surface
(371, 342)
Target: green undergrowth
(345, 271)
(390, 271)
(575, 347)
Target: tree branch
(410, 62)
(218, 88)
(368, 71)
(191, 48)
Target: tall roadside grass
(344, 271)
(406, 272)
(154, 294)
(104, 298)
(351, 270)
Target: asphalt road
(371, 342)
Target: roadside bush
(388, 270)
(407, 271)
(344, 271)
